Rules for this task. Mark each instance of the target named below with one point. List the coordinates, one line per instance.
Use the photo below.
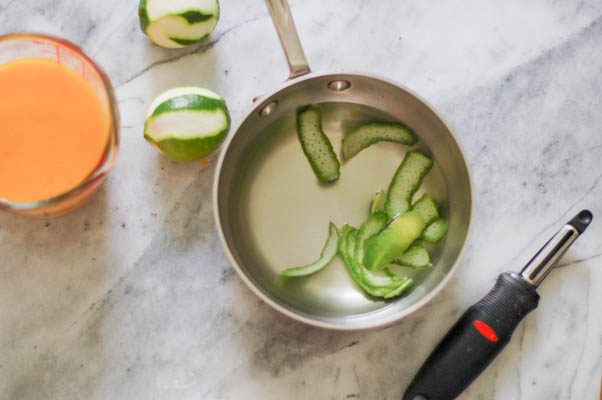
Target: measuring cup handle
(285, 26)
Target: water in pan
(282, 211)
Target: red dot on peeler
(485, 330)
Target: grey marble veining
(131, 297)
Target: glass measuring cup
(36, 46)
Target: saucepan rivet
(268, 108)
(339, 85)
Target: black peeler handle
(487, 326)
(474, 341)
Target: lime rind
(329, 251)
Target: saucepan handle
(285, 26)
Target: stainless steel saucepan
(271, 212)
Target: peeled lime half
(187, 123)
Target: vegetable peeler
(487, 326)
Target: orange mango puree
(53, 130)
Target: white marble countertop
(131, 297)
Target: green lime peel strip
(435, 231)
(368, 134)
(355, 270)
(378, 285)
(378, 201)
(406, 181)
(375, 223)
(427, 207)
(415, 257)
(392, 241)
(344, 249)
(316, 145)
(326, 256)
